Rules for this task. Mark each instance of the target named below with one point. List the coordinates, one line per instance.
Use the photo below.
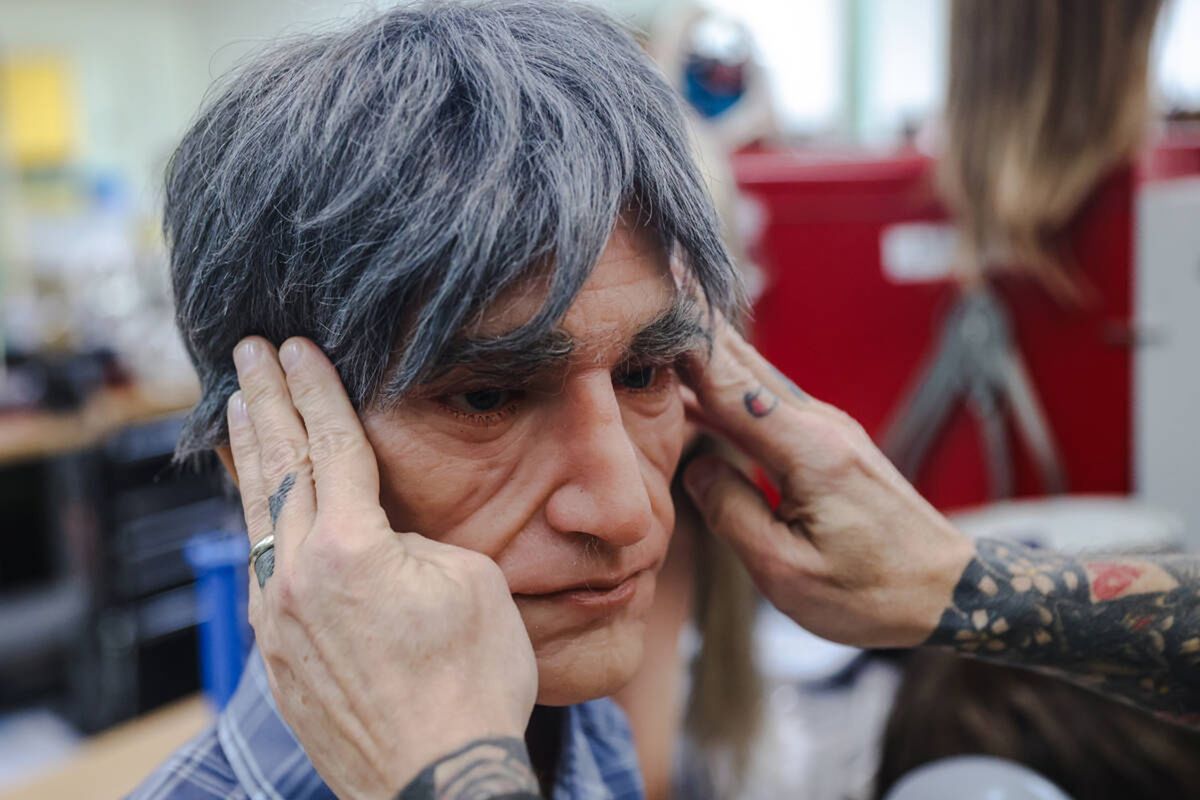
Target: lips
(598, 584)
(599, 595)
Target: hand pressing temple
(385, 651)
(855, 555)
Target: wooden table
(29, 435)
(111, 764)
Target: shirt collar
(596, 755)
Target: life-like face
(560, 473)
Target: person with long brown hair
(1045, 98)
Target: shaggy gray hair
(374, 189)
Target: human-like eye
(637, 378)
(484, 400)
(485, 405)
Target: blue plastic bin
(218, 560)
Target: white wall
(1167, 365)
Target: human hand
(852, 553)
(385, 651)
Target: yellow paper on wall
(37, 123)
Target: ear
(226, 455)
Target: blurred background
(1026, 352)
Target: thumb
(736, 510)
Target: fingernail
(237, 406)
(700, 476)
(289, 354)
(246, 353)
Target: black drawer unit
(101, 554)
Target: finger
(286, 488)
(345, 472)
(244, 446)
(764, 370)
(745, 406)
(734, 509)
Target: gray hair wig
(375, 188)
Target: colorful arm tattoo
(1127, 627)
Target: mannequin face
(563, 478)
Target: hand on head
(852, 553)
(363, 630)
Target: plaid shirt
(250, 754)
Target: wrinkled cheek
(423, 490)
(432, 502)
(660, 441)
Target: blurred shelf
(32, 435)
(112, 764)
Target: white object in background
(1167, 364)
(974, 778)
(1077, 523)
(786, 653)
(33, 740)
(918, 252)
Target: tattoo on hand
(760, 402)
(1127, 627)
(485, 769)
(275, 501)
(264, 567)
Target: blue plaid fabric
(250, 754)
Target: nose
(602, 492)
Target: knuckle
(779, 570)
(719, 511)
(482, 574)
(301, 386)
(281, 455)
(331, 442)
(333, 550)
(256, 389)
(831, 446)
(475, 565)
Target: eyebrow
(676, 331)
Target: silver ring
(262, 558)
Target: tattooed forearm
(1127, 626)
(487, 769)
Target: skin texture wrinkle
(567, 481)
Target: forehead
(630, 286)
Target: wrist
(946, 568)
(495, 768)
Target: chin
(590, 647)
(590, 665)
